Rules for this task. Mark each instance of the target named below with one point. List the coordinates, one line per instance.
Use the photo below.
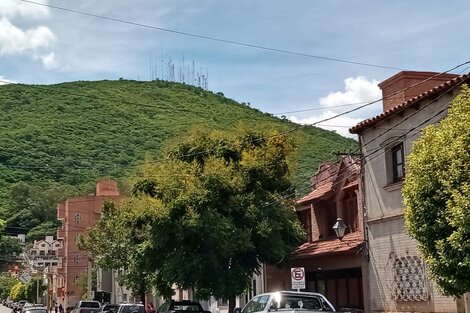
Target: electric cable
(226, 41)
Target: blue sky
(44, 45)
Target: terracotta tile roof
(331, 246)
(408, 103)
(350, 185)
(317, 193)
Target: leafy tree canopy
(33, 209)
(31, 289)
(9, 247)
(211, 214)
(17, 292)
(437, 197)
(6, 283)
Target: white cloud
(340, 124)
(36, 42)
(4, 81)
(357, 90)
(13, 8)
(50, 61)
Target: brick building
(397, 274)
(76, 216)
(333, 267)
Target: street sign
(297, 275)
(24, 278)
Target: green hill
(74, 133)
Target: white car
(288, 301)
(131, 308)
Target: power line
(373, 154)
(232, 42)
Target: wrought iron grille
(409, 279)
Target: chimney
(107, 188)
(393, 92)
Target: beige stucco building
(397, 274)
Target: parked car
(87, 306)
(131, 308)
(36, 309)
(287, 301)
(109, 308)
(173, 306)
(28, 305)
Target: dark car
(187, 306)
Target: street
(4, 309)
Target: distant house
(397, 274)
(333, 267)
(44, 254)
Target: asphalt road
(4, 309)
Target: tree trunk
(231, 304)
(142, 294)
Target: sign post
(24, 278)
(297, 275)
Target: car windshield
(86, 304)
(110, 308)
(186, 308)
(257, 304)
(301, 302)
(36, 311)
(132, 309)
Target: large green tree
(437, 197)
(209, 214)
(222, 210)
(33, 209)
(115, 243)
(6, 283)
(10, 247)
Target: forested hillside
(57, 140)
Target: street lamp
(339, 228)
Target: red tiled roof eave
(359, 128)
(316, 194)
(350, 242)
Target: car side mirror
(237, 310)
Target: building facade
(333, 267)
(397, 274)
(44, 254)
(76, 216)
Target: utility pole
(37, 290)
(89, 291)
